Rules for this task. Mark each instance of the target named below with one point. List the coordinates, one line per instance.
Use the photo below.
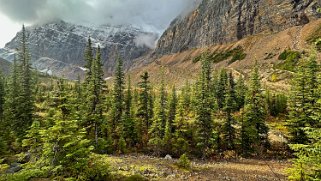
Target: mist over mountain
(150, 15)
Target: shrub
(98, 169)
(184, 162)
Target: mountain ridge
(58, 47)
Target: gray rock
(168, 157)
(222, 21)
(58, 47)
(14, 167)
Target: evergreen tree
(204, 115)
(180, 125)
(33, 141)
(169, 128)
(303, 100)
(20, 97)
(3, 144)
(304, 123)
(144, 112)
(130, 134)
(116, 127)
(256, 131)
(65, 148)
(11, 109)
(89, 57)
(172, 109)
(307, 165)
(157, 131)
(230, 106)
(221, 89)
(2, 97)
(241, 90)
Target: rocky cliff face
(222, 21)
(58, 48)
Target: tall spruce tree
(157, 130)
(304, 123)
(2, 97)
(229, 133)
(64, 146)
(144, 112)
(303, 100)
(220, 89)
(169, 128)
(25, 98)
(116, 127)
(172, 109)
(89, 57)
(130, 133)
(94, 98)
(204, 111)
(241, 90)
(180, 125)
(256, 131)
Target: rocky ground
(166, 169)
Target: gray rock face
(221, 21)
(58, 47)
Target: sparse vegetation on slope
(232, 55)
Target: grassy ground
(161, 169)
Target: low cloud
(148, 40)
(151, 15)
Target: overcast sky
(151, 15)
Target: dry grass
(161, 169)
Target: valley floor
(163, 169)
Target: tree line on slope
(59, 124)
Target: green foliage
(2, 96)
(229, 133)
(144, 112)
(184, 162)
(277, 104)
(254, 133)
(20, 91)
(33, 141)
(157, 130)
(290, 60)
(180, 126)
(234, 54)
(240, 90)
(220, 89)
(204, 111)
(130, 132)
(92, 107)
(98, 168)
(26, 175)
(303, 100)
(307, 165)
(115, 125)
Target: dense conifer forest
(61, 129)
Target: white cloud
(8, 29)
(149, 14)
(148, 40)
